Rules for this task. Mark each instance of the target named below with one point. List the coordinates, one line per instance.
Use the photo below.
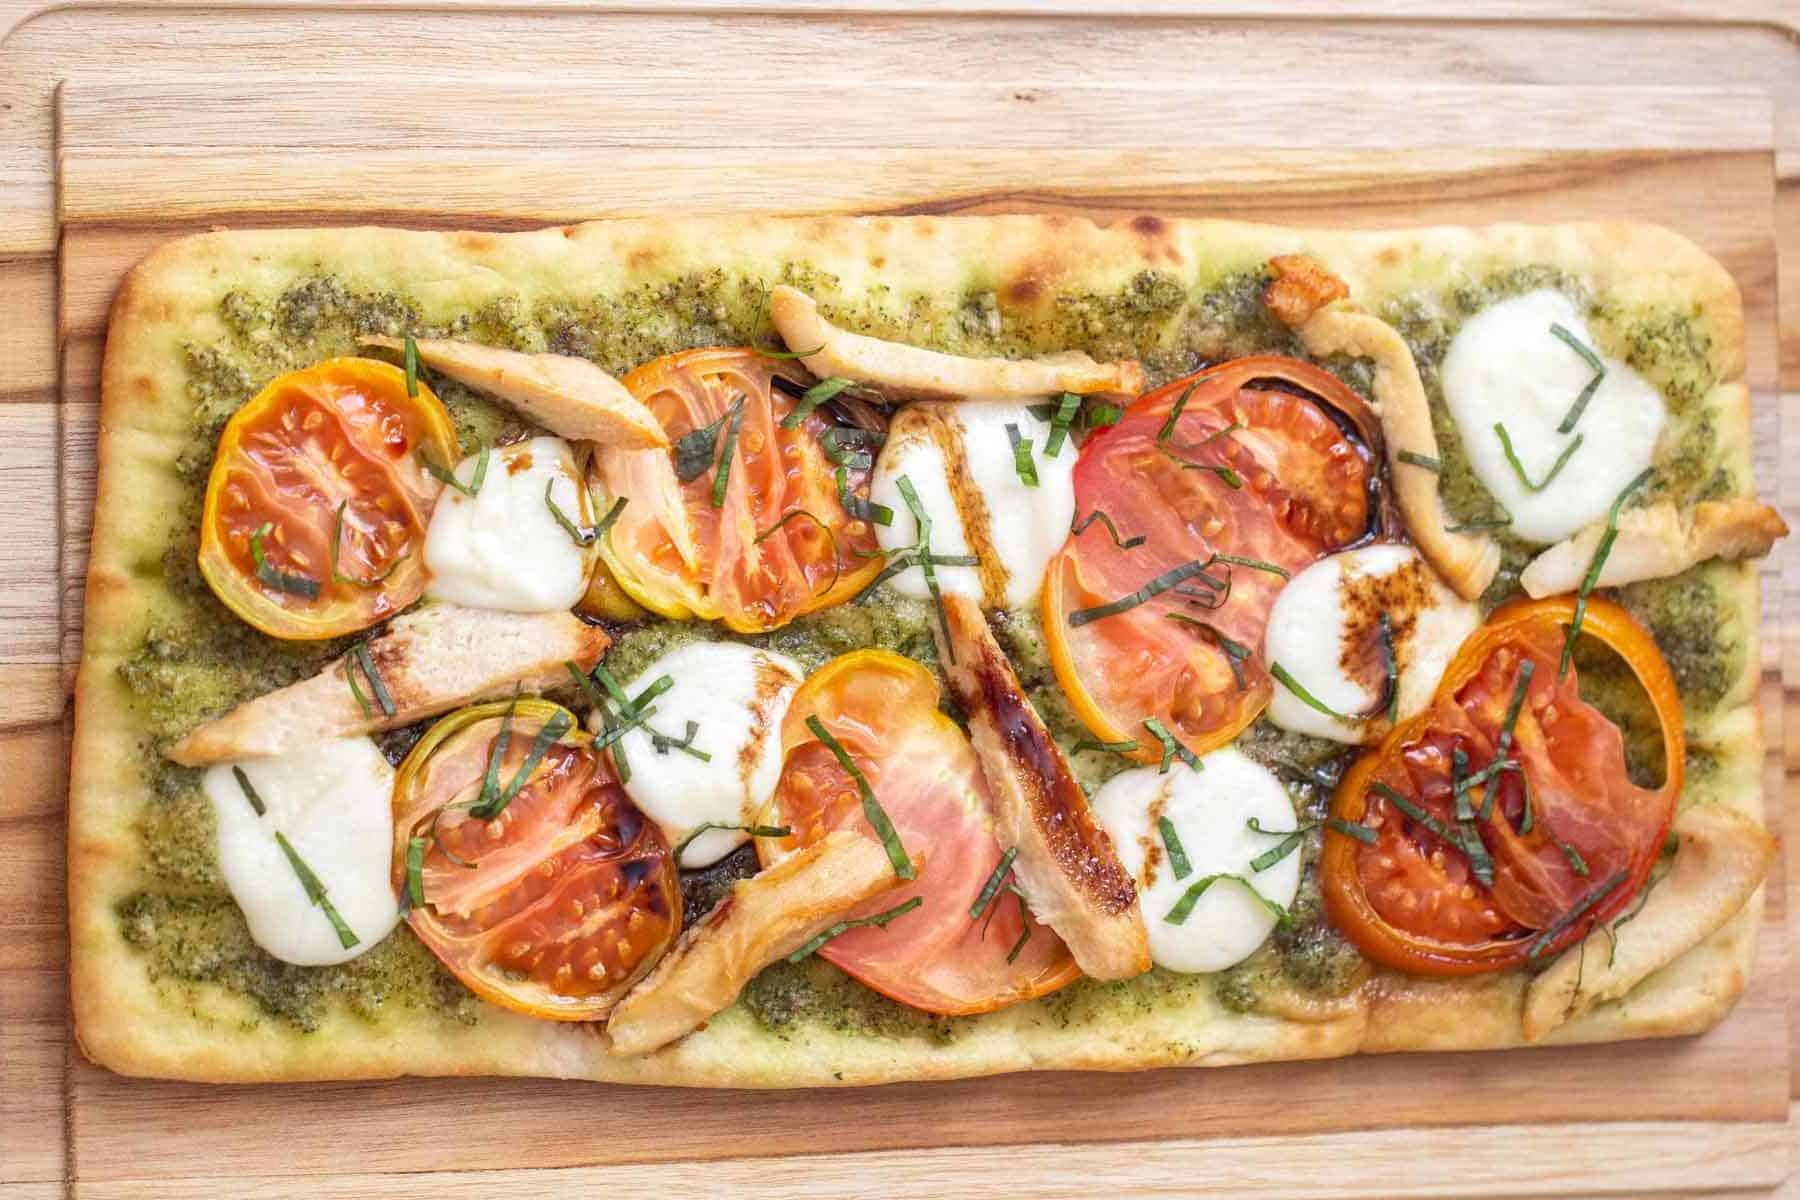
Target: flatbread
(1027, 284)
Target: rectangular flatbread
(166, 980)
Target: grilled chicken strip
(763, 918)
(568, 396)
(905, 372)
(1722, 857)
(429, 661)
(1656, 542)
(1066, 865)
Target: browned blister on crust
(1066, 866)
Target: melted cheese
(736, 696)
(503, 548)
(1505, 365)
(333, 802)
(1024, 525)
(1211, 810)
(1324, 631)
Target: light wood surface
(186, 118)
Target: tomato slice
(556, 906)
(676, 553)
(1413, 899)
(883, 710)
(339, 435)
(1257, 468)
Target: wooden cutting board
(166, 122)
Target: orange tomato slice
(883, 710)
(340, 437)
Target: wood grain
(517, 166)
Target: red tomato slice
(883, 710)
(340, 434)
(556, 906)
(1412, 898)
(676, 553)
(1252, 469)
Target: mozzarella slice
(1211, 810)
(1324, 630)
(1505, 365)
(333, 801)
(961, 463)
(503, 548)
(736, 696)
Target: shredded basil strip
(1155, 587)
(1481, 863)
(578, 535)
(447, 475)
(612, 730)
(1482, 523)
(1022, 461)
(367, 662)
(356, 691)
(662, 743)
(1235, 652)
(1416, 459)
(281, 581)
(1399, 801)
(1077, 528)
(409, 353)
(1593, 384)
(812, 397)
(991, 888)
(415, 872)
(315, 891)
(1024, 928)
(1390, 665)
(872, 810)
(490, 781)
(843, 452)
(553, 729)
(1290, 841)
(243, 781)
(1254, 563)
(761, 831)
(1178, 859)
(1592, 578)
(1172, 747)
(1577, 863)
(1582, 907)
(1503, 744)
(1512, 458)
(837, 559)
(1360, 832)
(722, 479)
(694, 450)
(1229, 477)
(1108, 747)
(926, 567)
(876, 921)
(1283, 677)
(1184, 907)
(859, 508)
(1067, 405)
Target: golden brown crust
(132, 1023)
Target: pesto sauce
(197, 660)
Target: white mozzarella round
(1328, 616)
(1211, 810)
(503, 548)
(334, 803)
(736, 696)
(1505, 365)
(1025, 525)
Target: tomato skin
(340, 431)
(882, 709)
(1307, 488)
(673, 552)
(1574, 769)
(573, 894)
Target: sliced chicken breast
(766, 917)
(428, 662)
(905, 372)
(1066, 866)
(568, 396)
(1656, 542)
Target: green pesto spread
(197, 660)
